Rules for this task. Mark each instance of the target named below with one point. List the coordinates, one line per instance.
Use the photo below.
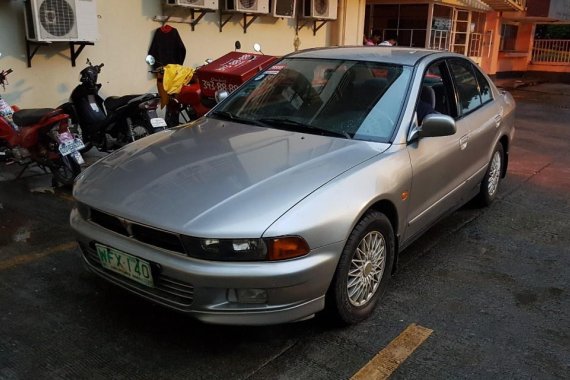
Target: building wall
(519, 59)
(126, 28)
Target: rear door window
(484, 87)
(466, 86)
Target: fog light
(251, 295)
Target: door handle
(463, 141)
(498, 119)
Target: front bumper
(295, 288)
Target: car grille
(172, 292)
(142, 233)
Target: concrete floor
(493, 284)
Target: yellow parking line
(31, 257)
(392, 356)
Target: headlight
(272, 249)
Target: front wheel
(183, 114)
(490, 184)
(364, 269)
(64, 170)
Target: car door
(438, 163)
(479, 114)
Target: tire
(141, 128)
(64, 170)
(363, 271)
(184, 115)
(490, 184)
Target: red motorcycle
(39, 136)
(210, 83)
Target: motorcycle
(39, 136)
(114, 122)
(209, 83)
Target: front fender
(329, 214)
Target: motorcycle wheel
(141, 129)
(185, 115)
(64, 170)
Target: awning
(476, 4)
(506, 5)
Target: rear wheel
(490, 184)
(364, 269)
(140, 129)
(183, 115)
(64, 170)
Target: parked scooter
(210, 83)
(39, 136)
(114, 122)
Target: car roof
(385, 54)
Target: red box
(230, 71)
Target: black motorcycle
(114, 122)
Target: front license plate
(127, 265)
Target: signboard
(441, 23)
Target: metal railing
(551, 51)
(405, 36)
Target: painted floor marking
(394, 354)
(31, 257)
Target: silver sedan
(298, 191)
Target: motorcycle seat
(114, 102)
(27, 117)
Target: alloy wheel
(366, 268)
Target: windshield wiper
(230, 116)
(298, 126)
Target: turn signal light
(286, 248)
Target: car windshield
(342, 98)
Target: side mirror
(435, 125)
(237, 45)
(150, 60)
(221, 95)
(257, 47)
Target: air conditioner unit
(284, 8)
(320, 9)
(248, 6)
(204, 4)
(61, 20)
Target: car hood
(216, 178)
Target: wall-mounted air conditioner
(203, 4)
(320, 9)
(248, 6)
(284, 8)
(61, 20)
